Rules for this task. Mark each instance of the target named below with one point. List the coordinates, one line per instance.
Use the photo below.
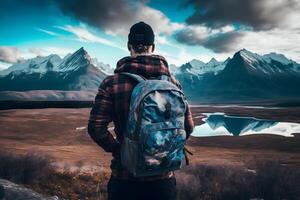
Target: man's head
(140, 39)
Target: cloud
(284, 41)
(218, 25)
(84, 35)
(116, 17)
(178, 59)
(218, 40)
(3, 65)
(10, 54)
(225, 42)
(257, 14)
(192, 35)
(48, 32)
(274, 26)
(277, 40)
(45, 51)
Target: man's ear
(128, 46)
(153, 47)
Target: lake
(217, 124)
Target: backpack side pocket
(129, 154)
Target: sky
(184, 29)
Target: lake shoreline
(38, 104)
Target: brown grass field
(53, 132)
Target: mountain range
(75, 77)
(246, 76)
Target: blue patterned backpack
(155, 137)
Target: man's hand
(117, 152)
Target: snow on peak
(81, 51)
(198, 67)
(253, 60)
(227, 60)
(53, 62)
(278, 57)
(174, 69)
(213, 62)
(196, 63)
(249, 56)
(102, 66)
(78, 59)
(265, 63)
(38, 64)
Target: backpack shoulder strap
(136, 77)
(165, 78)
(161, 77)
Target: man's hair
(140, 48)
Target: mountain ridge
(73, 72)
(245, 76)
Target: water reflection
(221, 124)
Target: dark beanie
(141, 33)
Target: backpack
(155, 136)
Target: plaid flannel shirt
(113, 100)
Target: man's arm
(101, 116)
(188, 122)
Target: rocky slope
(12, 191)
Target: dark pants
(164, 189)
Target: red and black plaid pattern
(113, 99)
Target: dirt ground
(60, 133)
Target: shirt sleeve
(188, 122)
(101, 116)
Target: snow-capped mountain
(102, 66)
(268, 64)
(197, 67)
(246, 76)
(173, 69)
(53, 62)
(75, 72)
(278, 57)
(195, 71)
(75, 61)
(34, 65)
